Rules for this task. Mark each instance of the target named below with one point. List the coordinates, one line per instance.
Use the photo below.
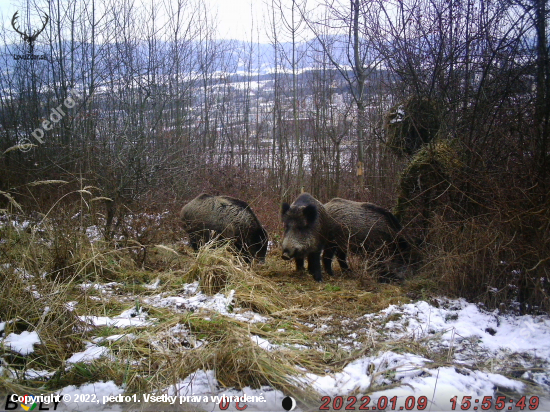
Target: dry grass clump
(481, 261)
(30, 304)
(102, 369)
(240, 362)
(58, 251)
(213, 264)
(387, 264)
(218, 268)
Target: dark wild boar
(225, 217)
(308, 230)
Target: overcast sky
(236, 18)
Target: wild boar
(227, 218)
(308, 230)
(363, 227)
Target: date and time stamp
(345, 403)
(466, 403)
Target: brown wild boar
(363, 227)
(227, 218)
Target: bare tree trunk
(542, 105)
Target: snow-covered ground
(477, 339)
(478, 346)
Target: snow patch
(219, 303)
(128, 318)
(91, 353)
(22, 343)
(458, 320)
(153, 285)
(263, 343)
(34, 374)
(93, 233)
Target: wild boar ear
(310, 212)
(284, 208)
